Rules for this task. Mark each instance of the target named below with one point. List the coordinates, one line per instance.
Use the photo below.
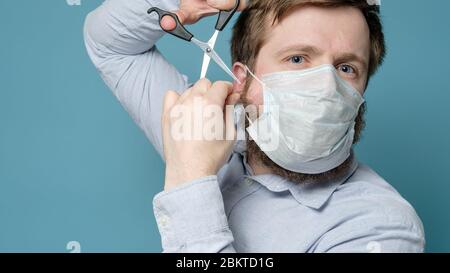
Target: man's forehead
(340, 30)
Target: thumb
(227, 4)
(170, 99)
(230, 127)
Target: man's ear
(240, 71)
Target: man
(306, 194)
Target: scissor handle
(225, 16)
(179, 31)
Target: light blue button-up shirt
(236, 211)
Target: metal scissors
(208, 48)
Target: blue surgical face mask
(307, 125)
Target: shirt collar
(313, 194)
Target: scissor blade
(206, 58)
(213, 54)
(212, 41)
(205, 65)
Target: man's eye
(297, 59)
(347, 69)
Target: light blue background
(73, 166)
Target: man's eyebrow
(299, 47)
(351, 57)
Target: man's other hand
(190, 11)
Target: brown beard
(255, 154)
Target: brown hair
(248, 33)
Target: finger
(185, 94)
(168, 23)
(233, 99)
(244, 4)
(182, 16)
(219, 92)
(229, 119)
(201, 87)
(227, 4)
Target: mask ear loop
(260, 82)
(254, 76)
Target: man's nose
(323, 60)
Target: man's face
(306, 38)
(312, 36)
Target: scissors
(208, 48)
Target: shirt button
(248, 182)
(164, 220)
